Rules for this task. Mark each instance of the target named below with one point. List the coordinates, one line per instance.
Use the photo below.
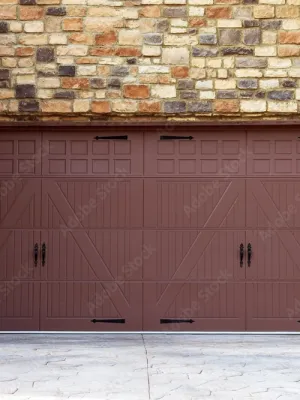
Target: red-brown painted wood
(196, 227)
(19, 277)
(94, 234)
(147, 229)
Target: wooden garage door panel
(20, 203)
(272, 306)
(275, 255)
(93, 255)
(272, 152)
(186, 258)
(203, 282)
(17, 257)
(178, 257)
(124, 251)
(19, 276)
(92, 243)
(19, 305)
(217, 153)
(273, 203)
(72, 204)
(211, 305)
(73, 306)
(80, 154)
(20, 154)
(173, 203)
(275, 276)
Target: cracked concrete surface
(143, 367)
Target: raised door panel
(79, 284)
(194, 306)
(273, 203)
(273, 280)
(273, 306)
(19, 305)
(194, 273)
(208, 153)
(78, 154)
(17, 258)
(199, 284)
(94, 255)
(188, 203)
(194, 256)
(20, 219)
(72, 306)
(20, 154)
(272, 152)
(19, 280)
(71, 204)
(20, 203)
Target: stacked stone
(154, 57)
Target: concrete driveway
(143, 367)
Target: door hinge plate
(173, 321)
(164, 137)
(110, 320)
(122, 137)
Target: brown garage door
(83, 209)
(273, 222)
(92, 227)
(194, 216)
(20, 211)
(145, 233)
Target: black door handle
(249, 252)
(36, 254)
(43, 254)
(241, 255)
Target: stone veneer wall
(156, 58)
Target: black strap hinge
(173, 321)
(123, 137)
(176, 137)
(110, 321)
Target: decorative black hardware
(176, 137)
(173, 321)
(36, 253)
(123, 137)
(249, 252)
(110, 321)
(241, 255)
(43, 254)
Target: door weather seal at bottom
(176, 321)
(110, 321)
